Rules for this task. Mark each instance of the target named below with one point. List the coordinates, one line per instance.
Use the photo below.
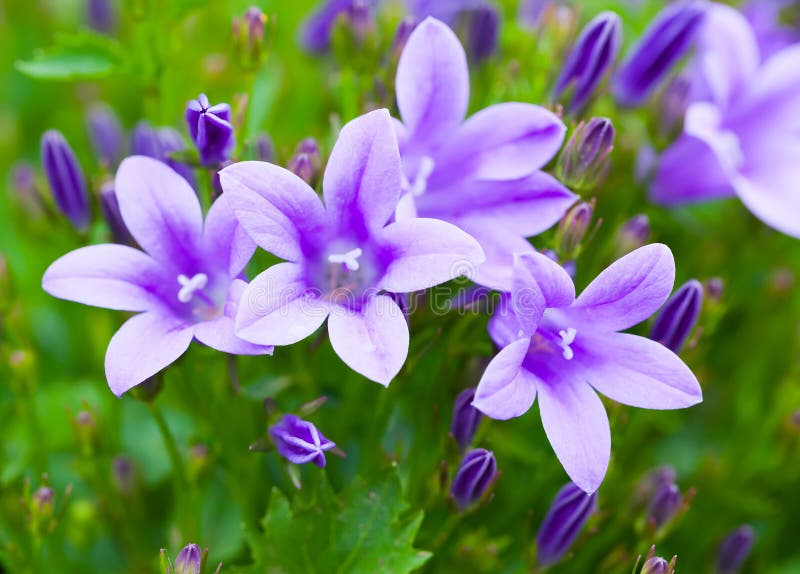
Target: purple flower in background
(586, 158)
(774, 31)
(445, 10)
(570, 510)
(101, 16)
(465, 419)
(66, 179)
(481, 174)
(317, 30)
(112, 214)
(734, 550)
(592, 55)
(211, 130)
(144, 140)
(343, 255)
(106, 135)
(476, 473)
(299, 441)
(665, 503)
(665, 41)
(742, 129)
(189, 560)
(566, 350)
(160, 143)
(484, 27)
(185, 284)
(679, 316)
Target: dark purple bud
(317, 31)
(678, 316)
(66, 179)
(476, 473)
(23, 184)
(673, 103)
(170, 141)
(123, 473)
(211, 130)
(656, 565)
(404, 30)
(254, 20)
(633, 234)
(189, 560)
(591, 56)
(584, 162)
(484, 26)
(664, 42)
(714, 288)
(101, 16)
(144, 140)
(465, 418)
(570, 510)
(573, 228)
(263, 149)
(300, 441)
(665, 503)
(734, 550)
(44, 500)
(306, 162)
(106, 134)
(112, 215)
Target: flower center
(547, 341)
(349, 259)
(192, 293)
(191, 286)
(420, 183)
(567, 338)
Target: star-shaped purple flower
(185, 284)
(211, 130)
(300, 441)
(481, 174)
(343, 260)
(565, 349)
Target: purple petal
(628, 291)
(426, 252)
(225, 242)
(111, 276)
(160, 209)
(538, 282)
(373, 340)
(277, 208)
(145, 344)
(503, 325)
(362, 181)
(279, 307)
(499, 246)
(637, 371)
(507, 389)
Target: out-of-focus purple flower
(170, 141)
(484, 28)
(570, 510)
(66, 179)
(306, 162)
(482, 174)
(773, 24)
(574, 350)
(447, 11)
(633, 234)
(741, 129)
(715, 288)
(106, 134)
(476, 473)
(144, 141)
(185, 284)
(23, 184)
(189, 560)
(679, 316)
(123, 473)
(211, 130)
(317, 31)
(665, 503)
(101, 15)
(263, 149)
(573, 228)
(657, 565)
(299, 441)
(465, 418)
(585, 160)
(402, 34)
(342, 255)
(673, 102)
(592, 55)
(665, 41)
(112, 214)
(734, 550)
(248, 33)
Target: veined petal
(538, 282)
(363, 179)
(507, 389)
(628, 291)
(426, 252)
(372, 340)
(277, 209)
(159, 208)
(503, 325)
(432, 81)
(279, 307)
(111, 276)
(225, 241)
(145, 344)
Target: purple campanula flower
(481, 174)
(566, 350)
(633, 234)
(66, 179)
(465, 419)
(189, 560)
(734, 550)
(741, 127)
(476, 473)
(263, 149)
(679, 316)
(106, 135)
(211, 130)
(484, 27)
(144, 140)
(585, 160)
(317, 31)
(112, 214)
(775, 24)
(306, 162)
(570, 510)
(186, 283)
(299, 441)
(101, 15)
(592, 55)
(665, 503)
(665, 41)
(342, 255)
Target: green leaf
(75, 57)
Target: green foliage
(83, 56)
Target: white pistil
(420, 183)
(350, 259)
(567, 338)
(190, 286)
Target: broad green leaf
(76, 57)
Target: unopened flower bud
(404, 30)
(734, 550)
(44, 500)
(570, 510)
(656, 565)
(484, 27)
(573, 228)
(189, 560)
(106, 135)
(678, 316)
(85, 432)
(665, 503)
(248, 36)
(715, 288)
(633, 234)
(262, 149)
(211, 130)
(300, 441)
(306, 161)
(123, 473)
(465, 418)
(476, 474)
(66, 179)
(586, 158)
(101, 16)
(111, 213)
(144, 140)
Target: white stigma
(567, 338)
(420, 184)
(350, 259)
(190, 286)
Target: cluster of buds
(248, 37)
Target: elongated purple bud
(106, 134)
(484, 28)
(263, 148)
(189, 560)
(592, 55)
(211, 130)
(101, 16)
(112, 215)
(300, 441)
(66, 179)
(465, 418)
(734, 550)
(665, 503)
(402, 34)
(573, 227)
(570, 510)
(306, 163)
(679, 316)
(585, 160)
(476, 473)
(665, 41)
